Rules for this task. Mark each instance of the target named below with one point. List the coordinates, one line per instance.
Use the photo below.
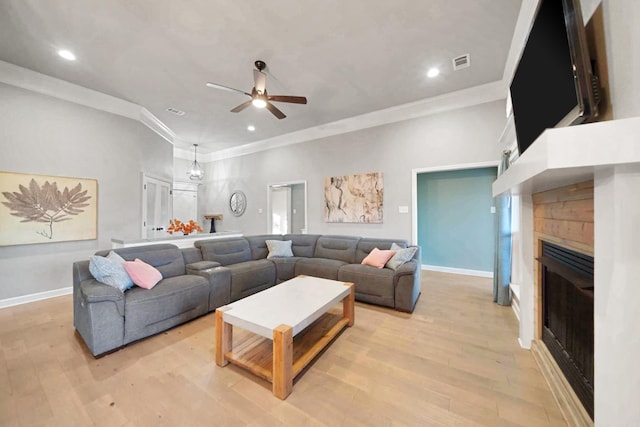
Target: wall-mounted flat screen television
(553, 84)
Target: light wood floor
(454, 362)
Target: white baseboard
(522, 345)
(24, 299)
(463, 271)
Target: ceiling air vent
(176, 111)
(463, 61)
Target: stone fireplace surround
(609, 154)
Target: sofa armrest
(195, 267)
(99, 315)
(219, 283)
(407, 286)
(93, 291)
(409, 267)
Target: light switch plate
(493, 209)
(403, 209)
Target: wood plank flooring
(454, 362)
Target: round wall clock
(237, 203)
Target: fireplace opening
(567, 316)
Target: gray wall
(47, 136)
(466, 135)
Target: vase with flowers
(186, 228)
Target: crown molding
(41, 83)
(24, 78)
(451, 101)
(154, 123)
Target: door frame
(284, 184)
(446, 168)
(147, 178)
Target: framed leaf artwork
(45, 209)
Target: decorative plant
(183, 227)
(46, 203)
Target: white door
(156, 207)
(281, 210)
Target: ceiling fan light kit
(259, 96)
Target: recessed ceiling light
(433, 72)
(251, 128)
(67, 54)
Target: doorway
(287, 208)
(156, 206)
(454, 219)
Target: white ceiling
(348, 57)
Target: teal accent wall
(455, 223)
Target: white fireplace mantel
(609, 153)
(572, 154)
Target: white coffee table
(279, 314)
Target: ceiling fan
(259, 96)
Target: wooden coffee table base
(282, 358)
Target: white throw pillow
(279, 248)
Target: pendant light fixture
(195, 171)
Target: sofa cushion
(225, 251)
(142, 273)
(302, 245)
(258, 244)
(341, 248)
(378, 258)
(319, 267)
(171, 302)
(402, 255)
(191, 255)
(285, 268)
(279, 249)
(250, 277)
(110, 271)
(366, 245)
(166, 258)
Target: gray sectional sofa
(216, 272)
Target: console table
(213, 218)
(178, 240)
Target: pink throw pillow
(377, 258)
(142, 274)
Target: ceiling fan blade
(242, 106)
(260, 80)
(291, 99)
(229, 89)
(279, 114)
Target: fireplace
(567, 316)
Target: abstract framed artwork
(45, 209)
(354, 198)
